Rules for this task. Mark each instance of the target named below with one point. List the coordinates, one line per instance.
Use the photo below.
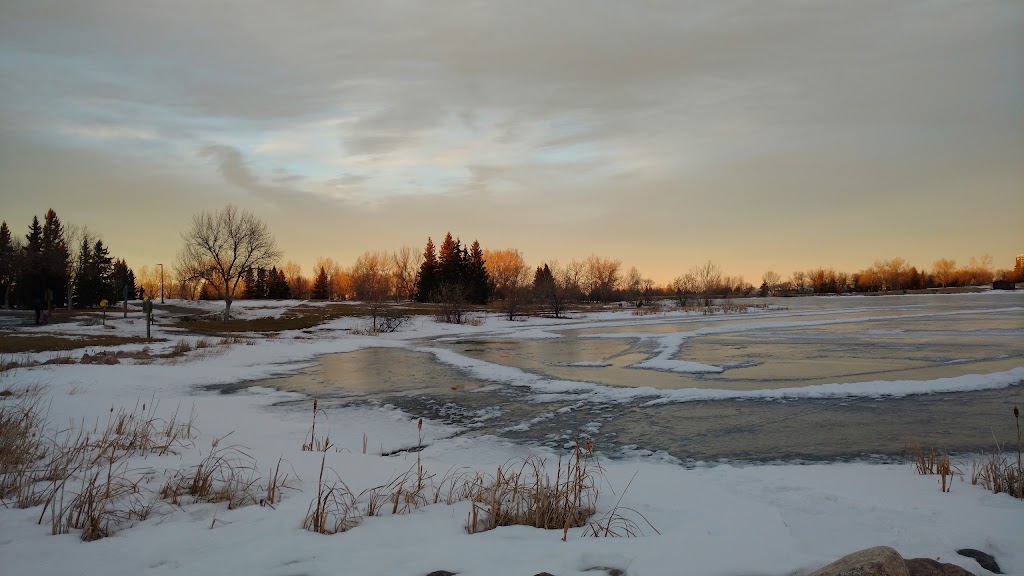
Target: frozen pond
(810, 379)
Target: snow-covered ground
(766, 519)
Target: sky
(777, 135)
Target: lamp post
(161, 283)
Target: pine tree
(30, 280)
(259, 289)
(322, 286)
(427, 277)
(478, 280)
(83, 283)
(279, 289)
(55, 258)
(122, 280)
(7, 264)
(248, 279)
(450, 262)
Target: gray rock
(985, 560)
(441, 573)
(929, 567)
(877, 561)
(543, 574)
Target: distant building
(1003, 285)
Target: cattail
(420, 425)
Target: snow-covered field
(765, 519)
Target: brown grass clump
(999, 473)
(225, 475)
(935, 462)
(334, 509)
(21, 447)
(526, 494)
(108, 500)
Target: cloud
(589, 110)
(233, 167)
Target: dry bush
(180, 347)
(225, 475)
(22, 446)
(934, 462)
(526, 494)
(999, 473)
(108, 500)
(334, 509)
(276, 483)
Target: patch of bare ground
(20, 344)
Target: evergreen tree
(259, 288)
(122, 279)
(30, 279)
(322, 286)
(279, 289)
(7, 264)
(478, 280)
(451, 262)
(83, 284)
(55, 258)
(95, 280)
(543, 280)
(427, 277)
(249, 279)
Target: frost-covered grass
(179, 480)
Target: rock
(929, 567)
(877, 561)
(543, 574)
(986, 560)
(441, 573)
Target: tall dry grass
(998, 472)
(526, 493)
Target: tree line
(55, 265)
(457, 273)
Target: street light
(161, 283)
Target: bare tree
(371, 276)
(709, 278)
(684, 287)
(944, 271)
(404, 264)
(769, 282)
(602, 277)
(220, 247)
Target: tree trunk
(227, 308)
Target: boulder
(877, 561)
(929, 567)
(441, 573)
(985, 560)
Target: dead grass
(335, 508)
(999, 473)
(525, 493)
(316, 444)
(19, 344)
(227, 474)
(935, 462)
(21, 447)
